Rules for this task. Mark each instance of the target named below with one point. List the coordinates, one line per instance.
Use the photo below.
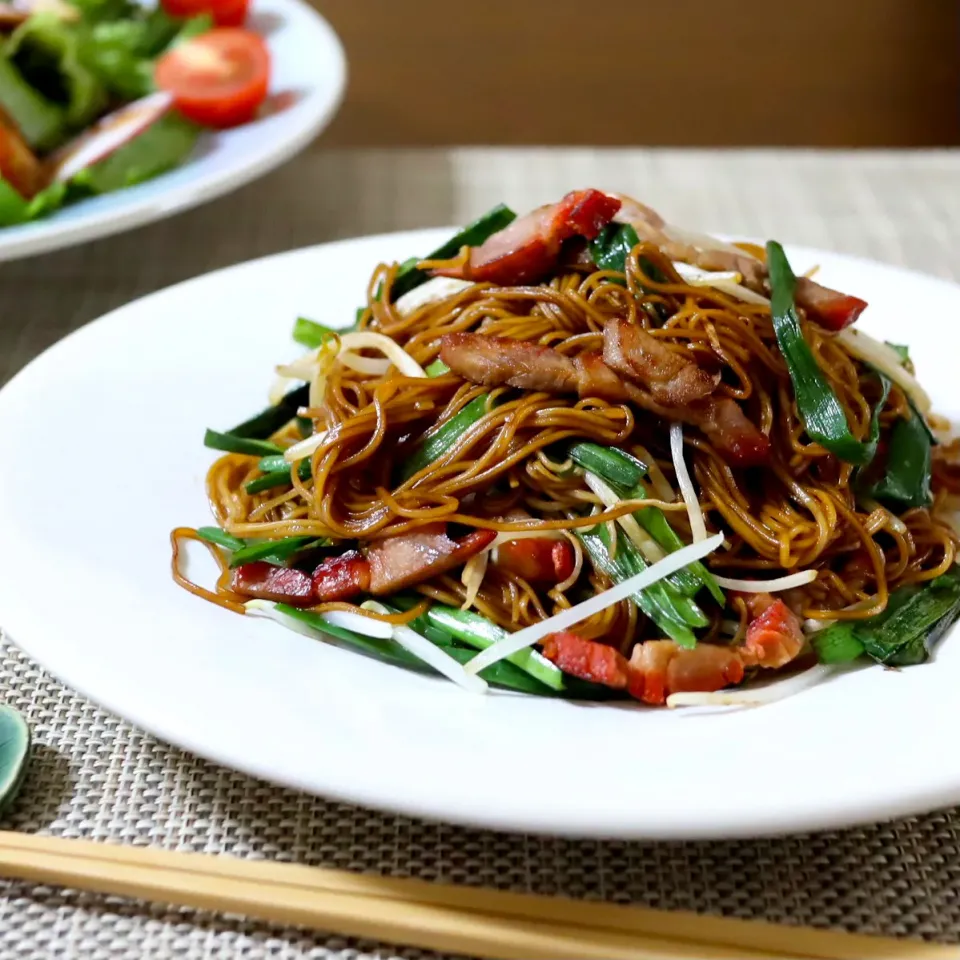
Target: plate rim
(856, 811)
(143, 205)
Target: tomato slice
(230, 13)
(225, 13)
(218, 79)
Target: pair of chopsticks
(453, 919)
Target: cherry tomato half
(225, 13)
(219, 78)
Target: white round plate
(102, 456)
(307, 83)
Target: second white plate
(308, 79)
(103, 456)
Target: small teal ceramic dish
(14, 752)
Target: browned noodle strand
(800, 513)
(403, 617)
(222, 595)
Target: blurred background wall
(678, 72)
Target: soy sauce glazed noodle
(509, 431)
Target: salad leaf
(47, 201)
(42, 123)
(112, 51)
(160, 147)
(93, 11)
(15, 209)
(155, 32)
(191, 28)
(122, 52)
(46, 50)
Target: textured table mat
(96, 776)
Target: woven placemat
(95, 776)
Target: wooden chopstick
(465, 920)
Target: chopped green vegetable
(502, 674)
(436, 369)
(269, 481)
(623, 472)
(903, 352)
(46, 51)
(278, 477)
(160, 147)
(42, 123)
(269, 421)
(613, 245)
(677, 600)
(873, 437)
(231, 443)
(655, 601)
(821, 411)
(387, 650)
(406, 267)
(493, 221)
(612, 465)
(446, 626)
(906, 479)
(915, 618)
(479, 632)
(436, 444)
(272, 463)
(221, 538)
(656, 524)
(610, 251)
(311, 334)
(280, 553)
(899, 636)
(838, 643)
